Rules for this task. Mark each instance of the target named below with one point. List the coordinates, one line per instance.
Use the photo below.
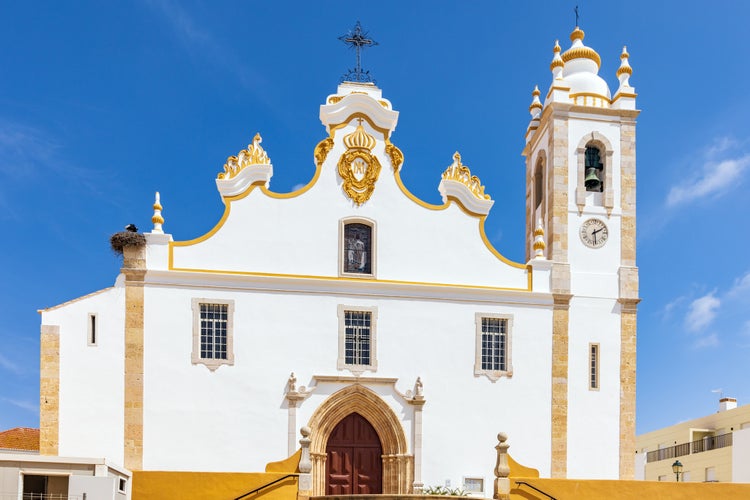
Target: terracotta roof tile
(20, 438)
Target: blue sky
(103, 103)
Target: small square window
(357, 344)
(121, 485)
(212, 332)
(492, 357)
(474, 484)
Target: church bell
(592, 181)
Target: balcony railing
(680, 450)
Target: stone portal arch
(398, 465)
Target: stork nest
(123, 239)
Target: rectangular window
(357, 343)
(494, 339)
(594, 366)
(357, 351)
(357, 248)
(92, 331)
(493, 346)
(212, 332)
(474, 484)
(121, 484)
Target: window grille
(357, 337)
(213, 324)
(494, 344)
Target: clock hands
(593, 233)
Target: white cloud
(715, 179)
(711, 340)
(741, 286)
(702, 312)
(24, 405)
(668, 309)
(9, 365)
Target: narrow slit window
(593, 366)
(92, 330)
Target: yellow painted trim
(397, 175)
(334, 127)
(354, 280)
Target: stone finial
(157, 218)
(305, 464)
(539, 244)
(557, 64)
(535, 109)
(502, 469)
(624, 71)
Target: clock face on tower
(594, 233)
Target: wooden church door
(354, 465)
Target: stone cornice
(353, 287)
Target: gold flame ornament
(358, 167)
(253, 155)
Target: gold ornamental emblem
(358, 167)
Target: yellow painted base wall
(652, 490)
(158, 485)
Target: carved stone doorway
(353, 464)
(397, 465)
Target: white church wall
(593, 414)
(235, 419)
(91, 376)
(287, 236)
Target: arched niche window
(357, 248)
(539, 187)
(594, 174)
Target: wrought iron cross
(358, 39)
(577, 15)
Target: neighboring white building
(28, 476)
(412, 340)
(711, 448)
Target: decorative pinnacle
(536, 105)
(157, 218)
(557, 61)
(624, 64)
(539, 244)
(358, 39)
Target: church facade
(389, 326)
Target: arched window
(357, 255)
(594, 180)
(539, 187)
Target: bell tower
(580, 189)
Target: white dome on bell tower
(582, 67)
